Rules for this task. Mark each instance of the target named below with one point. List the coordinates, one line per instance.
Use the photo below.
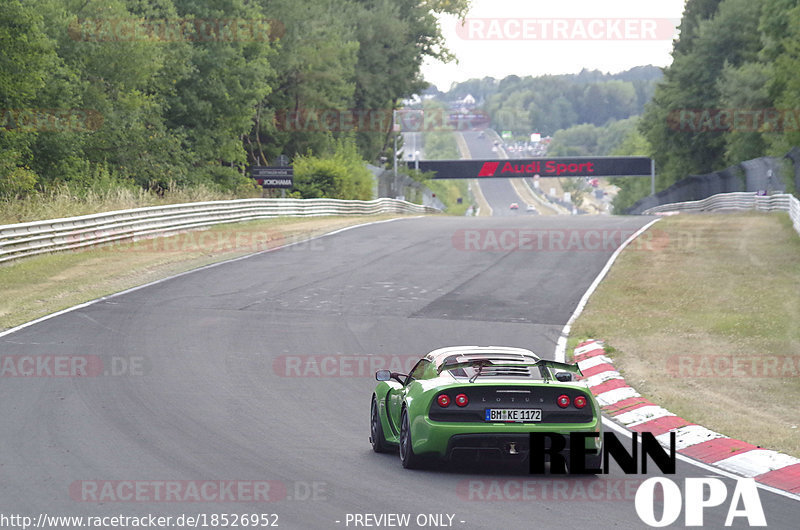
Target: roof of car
(438, 356)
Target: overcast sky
(536, 37)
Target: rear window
(510, 371)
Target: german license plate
(514, 415)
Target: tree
(196, 102)
(213, 104)
(781, 26)
(694, 14)
(631, 189)
(745, 88)
(546, 104)
(25, 63)
(341, 175)
(314, 71)
(691, 84)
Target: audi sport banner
(627, 166)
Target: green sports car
(480, 403)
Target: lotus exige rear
(480, 403)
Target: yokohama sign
(543, 167)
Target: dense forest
(732, 91)
(159, 93)
(155, 94)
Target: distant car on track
(479, 403)
(530, 208)
(514, 206)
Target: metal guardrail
(737, 201)
(38, 237)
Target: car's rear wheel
(592, 462)
(407, 456)
(376, 437)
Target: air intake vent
(506, 371)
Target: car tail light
(462, 400)
(563, 401)
(443, 400)
(579, 402)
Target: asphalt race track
(258, 370)
(499, 193)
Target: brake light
(462, 400)
(579, 402)
(443, 400)
(563, 401)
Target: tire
(376, 437)
(592, 462)
(407, 456)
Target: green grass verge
(719, 293)
(449, 191)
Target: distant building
(463, 105)
(412, 101)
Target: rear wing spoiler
(541, 363)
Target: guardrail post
(652, 177)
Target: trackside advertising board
(628, 166)
(281, 177)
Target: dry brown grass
(62, 202)
(723, 284)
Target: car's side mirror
(386, 375)
(564, 377)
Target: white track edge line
(607, 422)
(708, 467)
(204, 267)
(561, 346)
(560, 355)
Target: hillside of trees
(550, 103)
(731, 93)
(161, 93)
